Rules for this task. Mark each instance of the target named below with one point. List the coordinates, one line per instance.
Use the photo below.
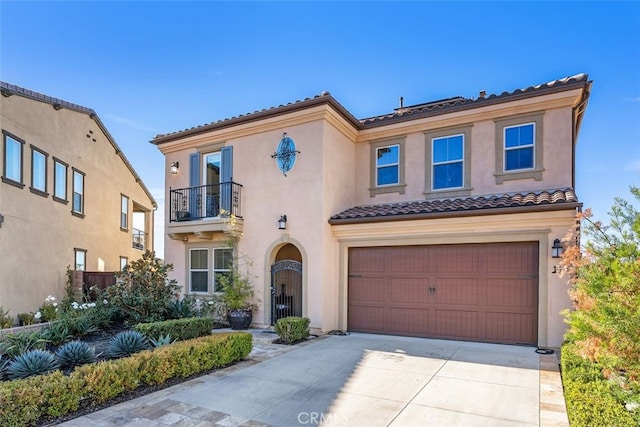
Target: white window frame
(59, 163)
(434, 163)
(83, 253)
(519, 147)
(123, 262)
(80, 175)
(124, 212)
(397, 165)
(216, 269)
(206, 270)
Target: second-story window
(388, 165)
(78, 192)
(448, 162)
(519, 144)
(59, 180)
(12, 165)
(124, 212)
(38, 171)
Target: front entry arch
(286, 283)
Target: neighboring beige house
(435, 220)
(68, 197)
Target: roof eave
(261, 115)
(461, 213)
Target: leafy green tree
(143, 292)
(605, 291)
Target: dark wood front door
(477, 292)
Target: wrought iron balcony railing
(138, 239)
(205, 201)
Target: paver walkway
(360, 380)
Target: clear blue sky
(156, 67)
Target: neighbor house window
(12, 165)
(387, 167)
(38, 171)
(124, 212)
(123, 262)
(59, 180)
(519, 148)
(80, 259)
(78, 192)
(222, 266)
(448, 162)
(199, 270)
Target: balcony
(138, 239)
(205, 201)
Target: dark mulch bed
(100, 341)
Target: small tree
(143, 292)
(605, 291)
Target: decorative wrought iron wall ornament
(285, 154)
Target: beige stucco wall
(332, 173)
(38, 235)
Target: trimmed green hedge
(292, 329)
(178, 329)
(24, 402)
(591, 399)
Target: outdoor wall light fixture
(556, 249)
(282, 223)
(175, 166)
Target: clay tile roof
(460, 103)
(464, 206)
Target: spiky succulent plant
(162, 340)
(75, 353)
(4, 362)
(32, 362)
(126, 343)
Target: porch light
(175, 166)
(556, 249)
(282, 223)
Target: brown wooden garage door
(479, 292)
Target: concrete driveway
(361, 380)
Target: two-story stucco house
(435, 220)
(68, 198)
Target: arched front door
(286, 283)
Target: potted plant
(237, 295)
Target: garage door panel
(408, 321)
(462, 291)
(510, 327)
(457, 324)
(366, 289)
(366, 318)
(454, 259)
(511, 292)
(412, 290)
(479, 292)
(407, 259)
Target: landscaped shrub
(24, 402)
(126, 343)
(75, 353)
(292, 329)
(4, 362)
(179, 329)
(591, 399)
(6, 321)
(162, 340)
(26, 319)
(32, 362)
(57, 333)
(143, 292)
(48, 310)
(16, 344)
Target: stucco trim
(538, 165)
(465, 190)
(375, 189)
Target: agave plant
(32, 362)
(162, 340)
(75, 353)
(16, 344)
(126, 343)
